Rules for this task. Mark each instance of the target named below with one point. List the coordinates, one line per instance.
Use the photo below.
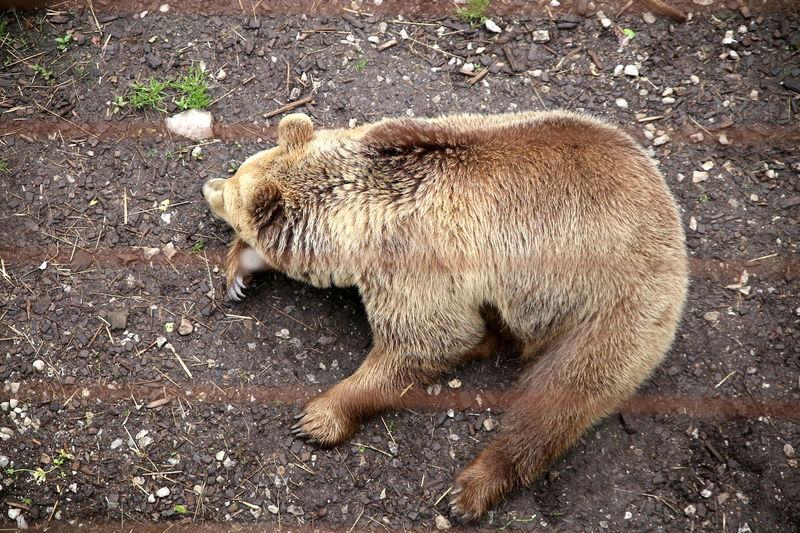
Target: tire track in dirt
(157, 395)
(714, 269)
(136, 130)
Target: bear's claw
(235, 291)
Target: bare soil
(111, 418)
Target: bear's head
(253, 198)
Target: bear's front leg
(242, 261)
(410, 348)
(333, 416)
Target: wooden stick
(289, 106)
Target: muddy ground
(112, 413)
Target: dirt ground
(133, 395)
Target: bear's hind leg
(576, 381)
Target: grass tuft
(150, 95)
(475, 12)
(194, 87)
(188, 91)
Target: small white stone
(728, 39)
(628, 515)
(742, 29)
(631, 70)
(788, 450)
(723, 139)
(116, 443)
(193, 124)
(694, 79)
(442, 523)
(4, 460)
(605, 22)
(163, 492)
(228, 462)
(491, 26)
(221, 74)
(374, 39)
(705, 493)
(621, 102)
(540, 36)
(661, 139)
(13, 513)
(698, 176)
(668, 91)
(151, 498)
(38, 365)
(708, 165)
(272, 509)
(668, 100)
(693, 227)
(282, 334)
(164, 8)
(649, 17)
(618, 70)
(454, 383)
(13, 403)
(220, 455)
(489, 424)
(197, 152)
(689, 510)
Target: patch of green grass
(3, 165)
(196, 247)
(46, 74)
(475, 12)
(360, 65)
(194, 89)
(180, 508)
(188, 91)
(629, 33)
(703, 199)
(151, 95)
(63, 42)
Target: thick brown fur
(552, 233)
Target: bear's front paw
(480, 485)
(324, 422)
(242, 262)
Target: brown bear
(552, 230)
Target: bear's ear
(294, 131)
